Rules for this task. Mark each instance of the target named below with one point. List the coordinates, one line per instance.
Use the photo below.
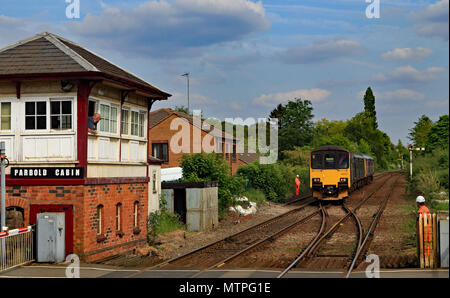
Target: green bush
(268, 178)
(289, 172)
(255, 195)
(213, 167)
(430, 173)
(427, 182)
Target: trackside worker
(423, 210)
(297, 185)
(420, 200)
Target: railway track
(234, 248)
(219, 252)
(311, 250)
(369, 234)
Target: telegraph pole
(187, 77)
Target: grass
(439, 206)
(256, 196)
(161, 222)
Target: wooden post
(426, 250)
(435, 259)
(420, 232)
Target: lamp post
(411, 149)
(187, 77)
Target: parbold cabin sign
(47, 173)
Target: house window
(99, 219)
(109, 118)
(135, 214)
(5, 116)
(124, 119)
(36, 115)
(233, 156)
(60, 114)
(161, 151)
(118, 216)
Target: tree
(360, 128)
(295, 126)
(369, 106)
(419, 133)
(438, 134)
(182, 109)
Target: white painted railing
(16, 248)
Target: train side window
(330, 161)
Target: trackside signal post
(411, 149)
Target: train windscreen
(329, 160)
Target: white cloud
(322, 51)
(433, 20)
(407, 54)
(273, 99)
(175, 28)
(408, 75)
(438, 104)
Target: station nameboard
(47, 173)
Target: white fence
(16, 248)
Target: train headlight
(316, 179)
(343, 179)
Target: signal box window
(36, 115)
(61, 114)
(5, 116)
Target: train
(335, 172)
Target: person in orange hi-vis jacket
(297, 185)
(420, 200)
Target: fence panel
(16, 248)
(427, 239)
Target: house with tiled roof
(166, 133)
(100, 179)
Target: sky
(245, 57)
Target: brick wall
(84, 199)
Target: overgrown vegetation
(255, 195)
(431, 167)
(160, 222)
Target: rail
(321, 235)
(371, 230)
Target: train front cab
(330, 174)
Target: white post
(410, 163)
(3, 199)
(2, 186)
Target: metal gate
(16, 248)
